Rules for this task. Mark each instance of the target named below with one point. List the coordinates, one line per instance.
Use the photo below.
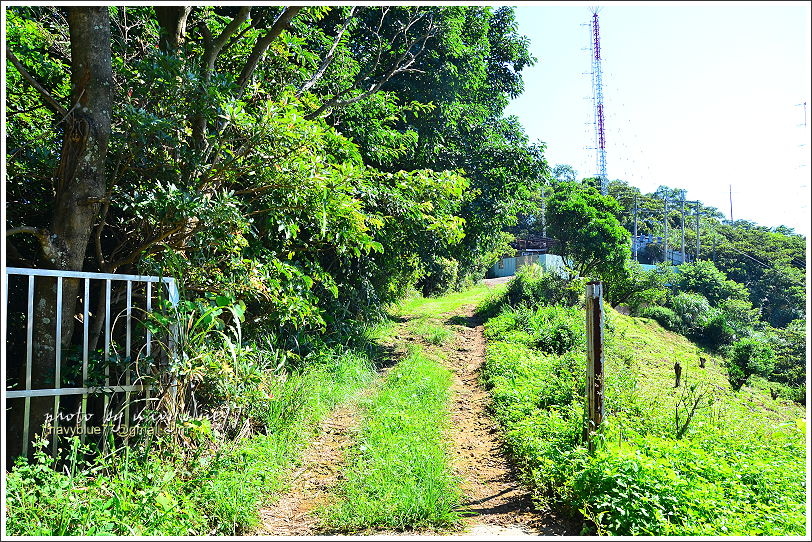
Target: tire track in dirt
(312, 483)
(496, 503)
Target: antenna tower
(597, 98)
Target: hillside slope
(694, 459)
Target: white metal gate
(57, 391)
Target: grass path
(494, 503)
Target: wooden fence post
(594, 363)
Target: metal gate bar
(57, 391)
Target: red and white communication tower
(597, 98)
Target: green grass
(738, 467)
(397, 476)
(436, 334)
(217, 492)
(437, 306)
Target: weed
(165, 493)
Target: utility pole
(682, 226)
(665, 227)
(731, 204)
(634, 241)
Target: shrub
(790, 353)
(535, 286)
(625, 494)
(705, 279)
(741, 315)
(749, 357)
(663, 315)
(717, 331)
(441, 275)
(161, 489)
(637, 287)
(693, 311)
(557, 330)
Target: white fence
(57, 391)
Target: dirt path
(496, 503)
(311, 484)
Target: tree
(564, 173)
(591, 240)
(80, 175)
(447, 113)
(230, 175)
(637, 287)
(248, 174)
(781, 294)
(79, 181)
(789, 344)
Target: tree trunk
(172, 20)
(80, 182)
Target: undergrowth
(397, 475)
(163, 491)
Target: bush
(637, 287)
(717, 331)
(722, 477)
(557, 330)
(535, 286)
(441, 275)
(749, 357)
(663, 315)
(705, 279)
(161, 489)
(741, 315)
(693, 311)
(790, 353)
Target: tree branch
(48, 242)
(281, 23)
(49, 99)
(218, 43)
(402, 64)
(328, 58)
(145, 246)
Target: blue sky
(697, 96)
